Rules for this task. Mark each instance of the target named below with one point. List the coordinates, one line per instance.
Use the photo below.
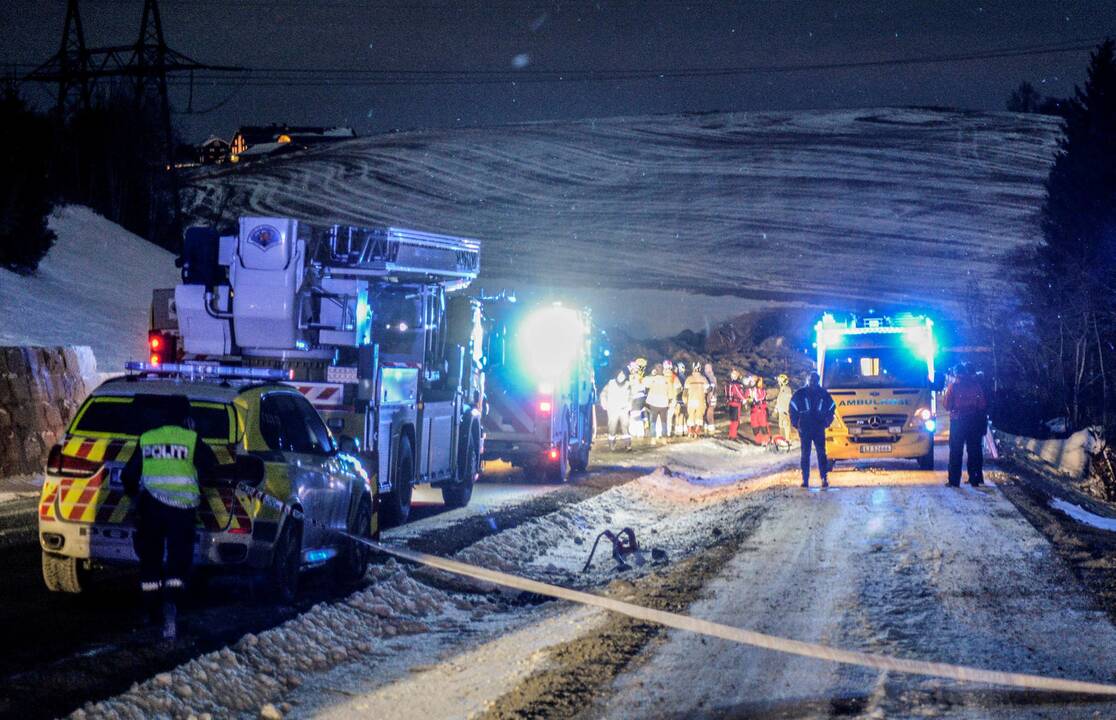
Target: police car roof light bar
(208, 371)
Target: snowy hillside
(833, 207)
(93, 288)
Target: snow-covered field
(906, 206)
(93, 288)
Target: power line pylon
(73, 65)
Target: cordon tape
(739, 635)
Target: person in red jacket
(968, 421)
(735, 400)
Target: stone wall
(40, 389)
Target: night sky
(502, 47)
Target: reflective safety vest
(168, 473)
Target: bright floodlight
(549, 341)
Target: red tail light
(552, 454)
(163, 347)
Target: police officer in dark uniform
(811, 411)
(162, 476)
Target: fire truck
(372, 326)
(880, 372)
(541, 387)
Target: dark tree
(1070, 278)
(1024, 99)
(25, 185)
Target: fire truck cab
(370, 322)
(880, 372)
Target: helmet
(783, 379)
(668, 364)
(641, 363)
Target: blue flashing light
(931, 425)
(549, 341)
(363, 319)
(200, 371)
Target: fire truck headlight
(924, 414)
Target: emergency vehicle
(540, 387)
(370, 323)
(285, 485)
(880, 372)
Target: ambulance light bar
(208, 371)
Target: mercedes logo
(874, 421)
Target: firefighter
(710, 399)
(782, 406)
(968, 421)
(616, 399)
(735, 401)
(695, 394)
(811, 411)
(163, 477)
(637, 382)
(674, 392)
(658, 402)
(680, 405)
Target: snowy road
(888, 561)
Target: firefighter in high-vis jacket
(163, 475)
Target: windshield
(132, 416)
(873, 368)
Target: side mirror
(249, 469)
(348, 444)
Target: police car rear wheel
(61, 574)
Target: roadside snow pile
(667, 510)
(257, 671)
(93, 288)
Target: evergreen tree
(25, 192)
(1071, 275)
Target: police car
(288, 498)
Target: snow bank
(668, 510)
(1082, 515)
(259, 670)
(93, 288)
(1069, 456)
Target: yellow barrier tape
(750, 637)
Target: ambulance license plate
(875, 449)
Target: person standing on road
(782, 406)
(637, 382)
(616, 399)
(163, 475)
(811, 411)
(695, 394)
(761, 429)
(968, 421)
(710, 399)
(658, 401)
(674, 392)
(680, 417)
(735, 402)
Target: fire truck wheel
(397, 503)
(459, 494)
(353, 560)
(286, 562)
(60, 573)
(558, 471)
(579, 458)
